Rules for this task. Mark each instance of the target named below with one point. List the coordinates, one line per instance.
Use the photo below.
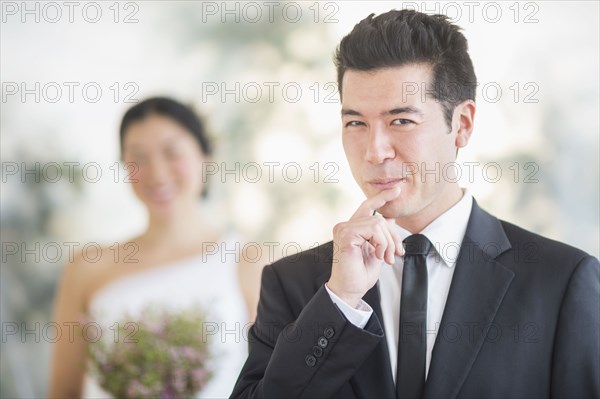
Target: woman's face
(164, 162)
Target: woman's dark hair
(170, 108)
(404, 37)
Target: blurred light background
(262, 76)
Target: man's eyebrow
(394, 111)
(350, 112)
(404, 110)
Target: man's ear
(463, 120)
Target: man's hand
(363, 243)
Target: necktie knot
(417, 244)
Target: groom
(386, 310)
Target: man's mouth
(386, 183)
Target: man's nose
(379, 146)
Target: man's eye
(354, 124)
(402, 122)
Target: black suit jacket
(521, 321)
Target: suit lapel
(374, 377)
(476, 292)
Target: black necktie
(412, 337)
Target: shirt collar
(446, 233)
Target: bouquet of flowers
(163, 354)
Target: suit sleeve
(576, 358)
(311, 355)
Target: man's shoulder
(535, 248)
(306, 265)
(316, 259)
(517, 245)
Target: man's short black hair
(404, 37)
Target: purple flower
(167, 393)
(199, 374)
(179, 380)
(188, 353)
(136, 389)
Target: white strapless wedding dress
(208, 280)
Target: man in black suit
(387, 310)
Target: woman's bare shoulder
(94, 266)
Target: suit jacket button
(329, 332)
(310, 360)
(322, 342)
(317, 351)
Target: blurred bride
(163, 143)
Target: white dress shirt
(446, 233)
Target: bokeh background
(537, 119)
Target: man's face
(393, 138)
